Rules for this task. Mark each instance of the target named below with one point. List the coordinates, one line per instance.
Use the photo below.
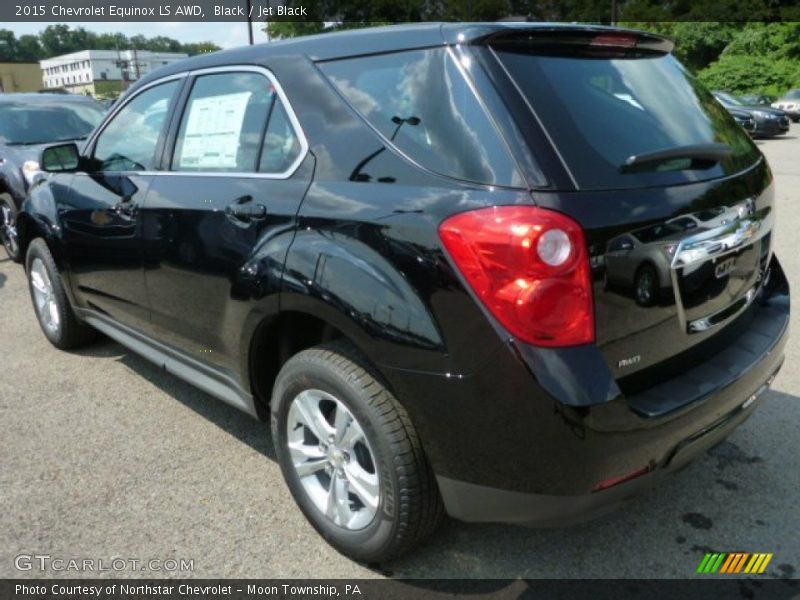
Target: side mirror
(626, 245)
(60, 159)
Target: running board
(202, 376)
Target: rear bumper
(476, 503)
(505, 450)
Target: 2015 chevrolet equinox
(509, 272)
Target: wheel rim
(43, 296)
(9, 229)
(332, 458)
(644, 289)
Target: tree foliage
(63, 39)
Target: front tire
(646, 286)
(351, 456)
(53, 310)
(8, 228)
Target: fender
(347, 283)
(39, 215)
(11, 180)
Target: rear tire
(371, 458)
(50, 303)
(8, 227)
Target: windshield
(41, 123)
(601, 111)
(728, 99)
(793, 95)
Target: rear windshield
(600, 111)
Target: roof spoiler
(567, 37)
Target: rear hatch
(675, 199)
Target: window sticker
(213, 131)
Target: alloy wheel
(644, 291)
(332, 459)
(44, 297)
(8, 227)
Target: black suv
(393, 244)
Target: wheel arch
(274, 339)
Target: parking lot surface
(102, 455)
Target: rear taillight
(530, 267)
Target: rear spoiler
(567, 38)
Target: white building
(87, 71)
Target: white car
(790, 104)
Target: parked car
(382, 242)
(756, 99)
(768, 121)
(790, 104)
(745, 120)
(642, 260)
(28, 122)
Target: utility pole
(250, 21)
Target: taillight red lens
(530, 267)
(615, 40)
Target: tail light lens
(530, 267)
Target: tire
(405, 507)
(645, 286)
(8, 228)
(50, 303)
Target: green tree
(198, 48)
(112, 41)
(751, 74)
(8, 45)
(29, 49)
(57, 39)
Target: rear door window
(600, 110)
(421, 102)
(223, 124)
(281, 146)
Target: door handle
(246, 210)
(125, 208)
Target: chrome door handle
(246, 210)
(125, 208)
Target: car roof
(372, 40)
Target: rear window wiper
(697, 156)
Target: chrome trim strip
(298, 130)
(723, 240)
(707, 323)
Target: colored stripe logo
(734, 562)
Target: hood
(765, 109)
(19, 154)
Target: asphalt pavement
(103, 456)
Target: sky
(225, 35)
